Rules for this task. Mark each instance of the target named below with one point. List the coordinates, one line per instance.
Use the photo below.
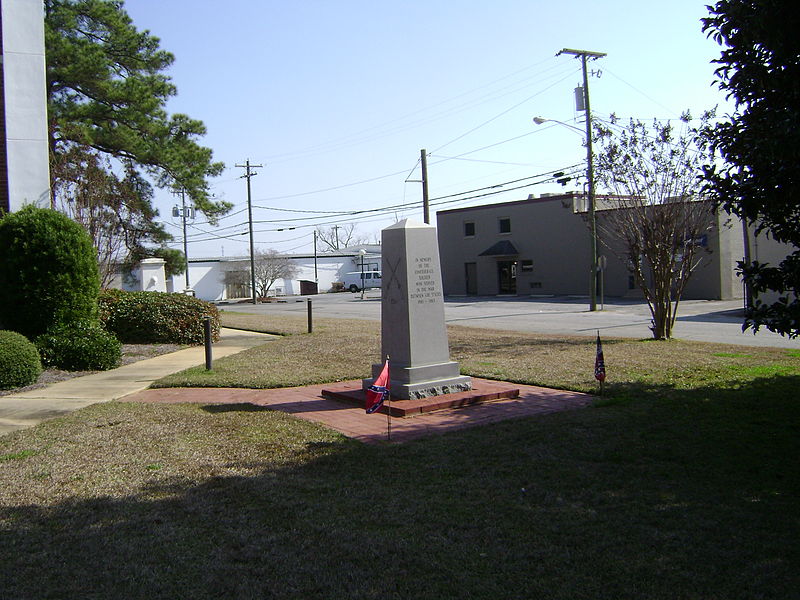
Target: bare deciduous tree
(237, 283)
(339, 237)
(656, 221)
(269, 267)
(117, 212)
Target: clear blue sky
(327, 94)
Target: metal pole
(748, 294)
(310, 319)
(316, 278)
(426, 210)
(207, 340)
(362, 276)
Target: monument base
(482, 391)
(412, 383)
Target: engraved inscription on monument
(425, 281)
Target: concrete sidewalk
(26, 409)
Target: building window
(469, 229)
(526, 266)
(504, 225)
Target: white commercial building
(228, 278)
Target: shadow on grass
(672, 495)
(228, 408)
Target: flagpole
(599, 364)
(389, 404)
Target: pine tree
(107, 90)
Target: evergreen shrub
(157, 317)
(19, 361)
(48, 273)
(79, 346)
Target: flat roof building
(542, 246)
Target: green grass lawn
(681, 483)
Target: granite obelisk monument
(413, 332)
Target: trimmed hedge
(156, 317)
(19, 361)
(48, 273)
(80, 346)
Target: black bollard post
(207, 335)
(310, 321)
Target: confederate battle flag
(377, 392)
(599, 363)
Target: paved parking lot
(701, 320)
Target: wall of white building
(25, 103)
(207, 276)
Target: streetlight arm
(542, 120)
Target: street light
(361, 253)
(542, 120)
(591, 207)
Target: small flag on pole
(377, 392)
(599, 363)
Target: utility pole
(336, 236)
(426, 215)
(585, 55)
(423, 160)
(248, 174)
(184, 212)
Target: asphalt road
(700, 320)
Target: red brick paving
(307, 403)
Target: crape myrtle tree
(656, 221)
(269, 266)
(107, 89)
(756, 171)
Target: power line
(358, 137)
(331, 189)
(497, 116)
(634, 88)
(478, 160)
(347, 216)
(393, 207)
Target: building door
(471, 277)
(507, 277)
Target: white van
(354, 282)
